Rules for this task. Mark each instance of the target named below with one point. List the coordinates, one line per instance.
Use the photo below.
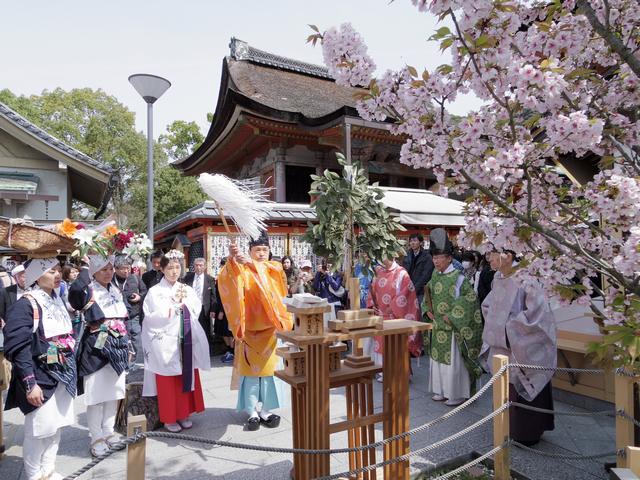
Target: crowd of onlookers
(440, 284)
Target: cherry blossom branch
(555, 239)
(610, 37)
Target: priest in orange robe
(252, 290)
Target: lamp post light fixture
(150, 88)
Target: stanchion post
(624, 427)
(136, 451)
(633, 459)
(501, 421)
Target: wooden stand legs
(396, 403)
(317, 408)
(359, 407)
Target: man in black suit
(204, 285)
(11, 294)
(153, 276)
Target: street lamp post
(150, 88)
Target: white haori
(55, 317)
(161, 333)
(451, 381)
(55, 413)
(519, 323)
(103, 386)
(109, 300)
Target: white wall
(18, 157)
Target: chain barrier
(472, 463)
(433, 446)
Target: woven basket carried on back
(31, 239)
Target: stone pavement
(167, 459)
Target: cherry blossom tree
(559, 81)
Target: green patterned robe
(463, 313)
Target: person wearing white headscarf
(38, 341)
(104, 350)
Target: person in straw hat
(103, 353)
(38, 341)
(174, 345)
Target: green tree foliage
(174, 192)
(351, 217)
(97, 124)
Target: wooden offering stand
(310, 393)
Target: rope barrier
(563, 456)
(556, 412)
(594, 371)
(472, 463)
(433, 446)
(626, 416)
(118, 446)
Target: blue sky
(46, 44)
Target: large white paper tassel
(247, 207)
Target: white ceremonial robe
(519, 323)
(161, 334)
(105, 385)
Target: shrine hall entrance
(298, 183)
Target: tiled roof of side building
(39, 133)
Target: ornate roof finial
(239, 49)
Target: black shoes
(253, 424)
(272, 421)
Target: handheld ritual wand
(247, 205)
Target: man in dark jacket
(11, 294)
(419, 264)
(153, 276)
(205, 287)
(133, 291)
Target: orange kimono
(252, 296)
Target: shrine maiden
(103, 353)
(174, 345)
(38, 342)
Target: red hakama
(173, 403)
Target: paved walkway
(167, 459)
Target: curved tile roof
(49, 139)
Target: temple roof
(91, 180)
(283, 84)
(263, 85)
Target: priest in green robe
(451, 305)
